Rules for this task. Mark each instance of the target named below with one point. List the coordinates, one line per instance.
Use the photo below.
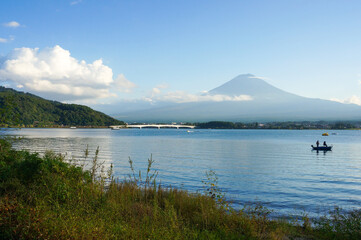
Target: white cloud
(351, 100)
(75, 2)
(54, 73)
(124, 84)
(262, 78)
(155, 91)
(147, 99)
(162, 86)
(12, 24)
(6, 40)
(183, 97)
(159, 94)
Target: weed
(213, 191)
(340, 224)
(150, 177)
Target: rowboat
(322, 148)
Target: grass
(48, 198)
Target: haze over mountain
(248, 98)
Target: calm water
(274, 167)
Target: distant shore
(290, 125)
(67, 127)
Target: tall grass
(48, 198)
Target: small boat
(324, 134)
(72, 127)
(322, 148)
(115, 128)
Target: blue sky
(148, 48)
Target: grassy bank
(47, 198)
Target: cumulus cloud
(184, 97)
(12, 24)
(54, 72)
(124, 84)
(351, 100)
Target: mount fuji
(249, 99)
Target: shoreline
(108, 127)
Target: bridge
(140, 126)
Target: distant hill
(19, 108)
(267, 103)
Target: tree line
(280, 125)
(27, 110)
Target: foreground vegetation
(18, 109)
(48, 198)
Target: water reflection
(72, 148)
(322, 151)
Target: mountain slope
(248, 84)
(18, 108)
(267, 103)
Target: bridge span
(140, 126)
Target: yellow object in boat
(324, 134)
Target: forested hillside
(25, 109)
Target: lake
(274, 167)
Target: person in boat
(324, 144)
(317, 143)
